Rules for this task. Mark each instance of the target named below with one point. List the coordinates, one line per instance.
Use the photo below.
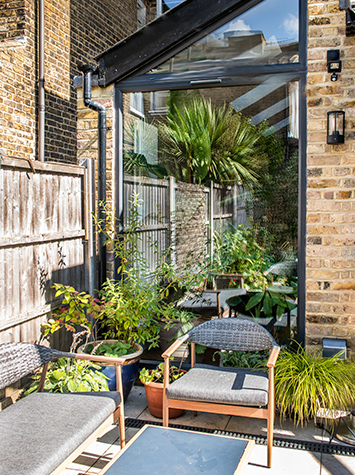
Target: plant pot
(154, 393)
(130, 368)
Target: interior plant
(305, 382)
(153, 381)
(210, 143)
(272, 301)
(243, 359)
(238, 251)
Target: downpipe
(88, 70)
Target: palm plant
(206, 142)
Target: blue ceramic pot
(130, 369)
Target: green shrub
(66, 376)
(305, 382)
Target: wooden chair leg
(122, 426)
(119, 388)
(165, 411)
(270, 437)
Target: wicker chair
(43, 432)
(232, 391)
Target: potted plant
(80, 314)
(153, 383)
(306, 382)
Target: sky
(277, 19)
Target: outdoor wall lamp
(335, 127)
(334, 63)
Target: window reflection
(265, 34)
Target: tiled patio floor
(285, 460)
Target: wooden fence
(43, 239)
(225, 206)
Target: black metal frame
(236, 76)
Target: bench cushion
(235, 386)
(40, 431)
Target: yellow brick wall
(75, 32)
(330, 281)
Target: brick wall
(12, 19)
(190, 224)
(17, 80)
(75, 32)
(331, 182)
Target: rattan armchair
(43, 432)
(232, 391)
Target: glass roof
(266, 34)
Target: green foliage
(157, 375)
(244, 359)
(71, 376)
(210, 143)
(305, 382)
(111, 349)
(129, 312)
(271, 301)
(274, 204)
(238, 252)
(79, 310)
(133, 305)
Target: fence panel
(154, 215)
(41, 241)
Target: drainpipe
(41, 95)
(88, 70)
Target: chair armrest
(273, 357)
(100, 359)
(172, 348)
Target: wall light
(335, 127)
(334, 63)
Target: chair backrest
(19, 359)
(234, 334)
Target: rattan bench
(43, 432)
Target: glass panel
(265, 34)
(217, 172)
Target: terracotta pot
(154, 393)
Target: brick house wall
(330, 267)
(75, 32)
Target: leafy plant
(133, 306)
(238, 252)
(79, 309)
(244, 359)
(272, 301)
(305, 382)
(111, 349)
(156, 375)
(210, 143)
(71, 376)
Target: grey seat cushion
(40, 431)
(237, 386)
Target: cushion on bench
(40, 431)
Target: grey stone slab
(337, 464)
(136, 402)
(285, 429)
(284, 462)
